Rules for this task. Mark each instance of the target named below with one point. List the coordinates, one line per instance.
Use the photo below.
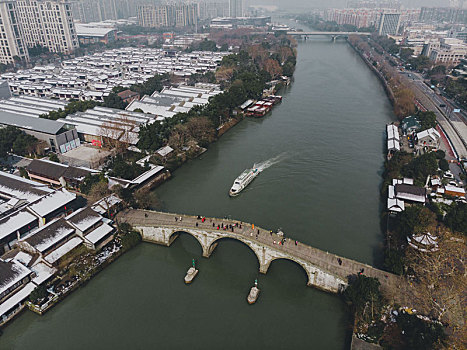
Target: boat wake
(261, 166)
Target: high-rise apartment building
(86, 11)
(11, 34)
(209, 10)
(172, 15)
(27, 23)
(48, 23)
(235, 8)
(389, 23)
(443, 15)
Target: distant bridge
(334, 35)
(325, 270)
(328, 33)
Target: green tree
(416, 220)
(363, 294)
(443, 164)
(394, 261)
(39, 293)
(405, 53)
(427, 120)
(54, 158)
(420, 167)
(456, 217)
(15, 140)
(114, 101)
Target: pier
(326, 271)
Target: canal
(324, 145)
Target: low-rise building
(454, 191)
(15, 287)
(56, 174)
(128, 96)
(410, 193)
(410, 124)
(429, 138)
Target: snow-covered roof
(84, 218)
(63, 249)
(15, 221)
(11, 272)
(99, 233)
(431, 133)
(21, 188)
(148, 174)
(163, 151)
(23, 257)
(393, 132)
(51, 202)
(396, 205)
(393, 145)
(101, 206)
(43, 272)
(16, 298)
(52, 233)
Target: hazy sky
(339, 3)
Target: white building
(450, 51)
(27, 23)
(48, 23)
(429, 138)
(12, 42)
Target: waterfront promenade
(325, 270)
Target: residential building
(128, 96)
(27, 23)
(389, 23)
(236, 8)
(48, 23)
(169, 15)
(446, 15)
(12, 43)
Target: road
(454, 127)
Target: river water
(327, 141)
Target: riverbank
(429, 317)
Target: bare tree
(441, 278)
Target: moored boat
(191, 273)
(254, 293)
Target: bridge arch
(310, 275)
(174, 235)
(247, 243)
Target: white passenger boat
(190, 275)
(254, 294)
(243, 181)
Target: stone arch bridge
(325, 271)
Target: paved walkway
(393, 286)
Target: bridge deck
(329, 33)
(393, 286)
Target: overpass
(324, 270)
